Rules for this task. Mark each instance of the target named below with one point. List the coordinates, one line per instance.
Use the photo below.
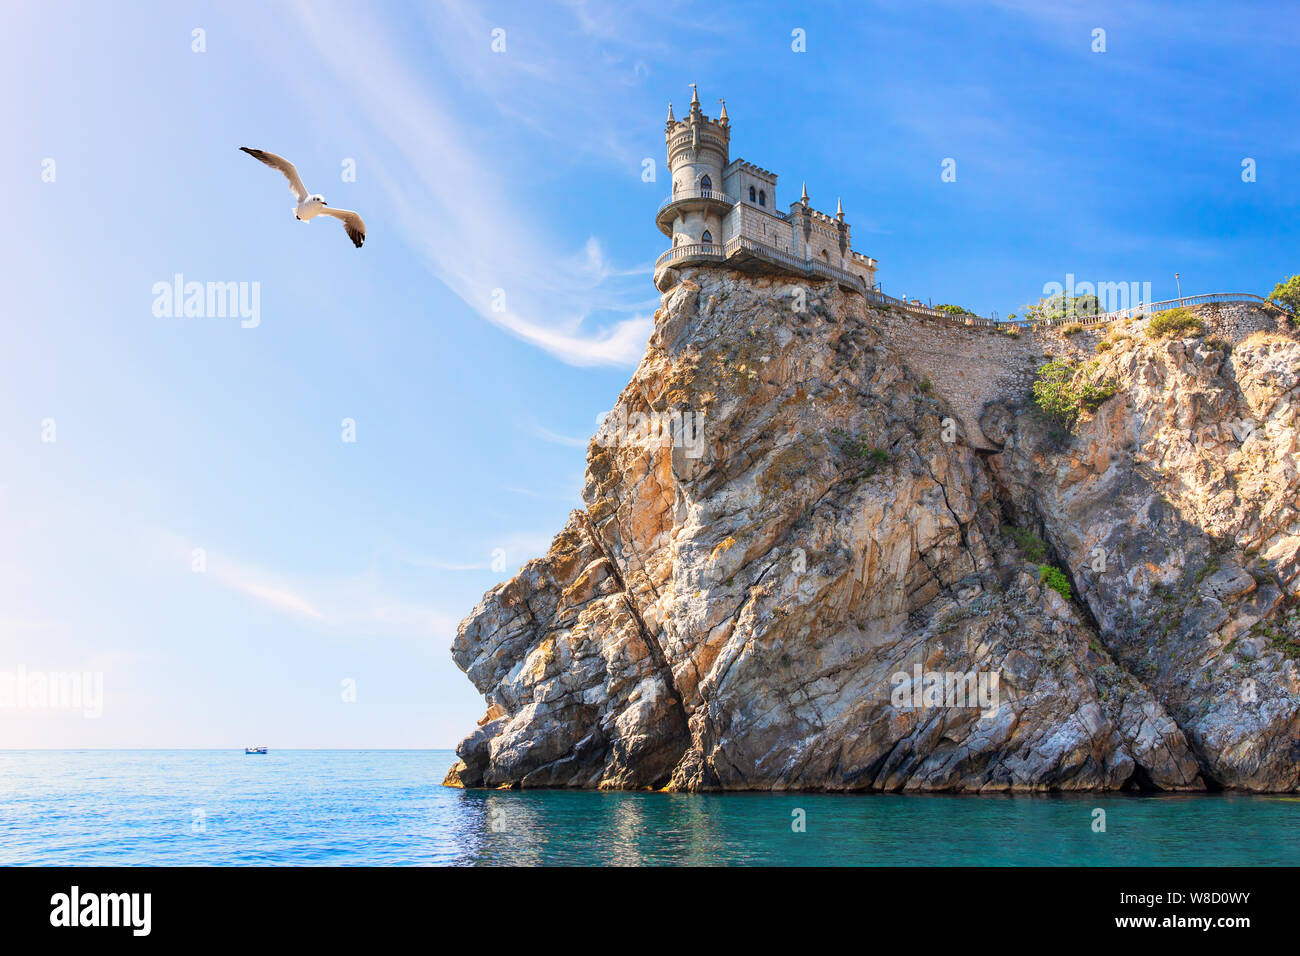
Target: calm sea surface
(385, 807)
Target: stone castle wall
(767, 227)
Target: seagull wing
(279, 162)
(352, 224)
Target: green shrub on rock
(1174, 323)
(1063, 392)
(1031, 545)
(1055, 579)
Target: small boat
(254, 750)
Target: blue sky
(478, 171)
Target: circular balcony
(686, 200)
(688, 252)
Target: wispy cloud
(580, 72)
(276, 597)
(555, 438)
(255, 582)
(457, 202)
(258, 583)
(438, 564)
(504, 557)
(357, 604)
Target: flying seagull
(311, 206)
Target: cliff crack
(961, 528)
(652, 647)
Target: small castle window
(707, 238)
(752, 195)
(706, 185)
(762, 197)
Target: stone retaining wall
(969, 367)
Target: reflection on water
(386, 808)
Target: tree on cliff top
(1059, 307)
(1287, 295)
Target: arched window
(706, 185)
(707, 238)
(762, 197)
(826, 255)
(752, 195)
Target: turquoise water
(385, 807)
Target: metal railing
(1163, 305)
(791, 261)
(741, 243)
(690, 250)
(1147, 308)
(681, 194)
(952, 318)
(1101, 318)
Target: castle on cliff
(724, 210)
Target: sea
(388, 808)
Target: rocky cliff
(799, 566)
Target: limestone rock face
(1177, 507)
(791, 573)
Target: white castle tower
(698, 151)
(721, 210)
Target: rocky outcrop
(794, 570)
(1177, 506)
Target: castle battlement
(725, 211)
(818, 216)
(758, 172)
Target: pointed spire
(839, 209)
(722, 117)
(804, 198)
(671, 119)
(695, 95)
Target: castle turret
(698, 150)
(721, 211)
